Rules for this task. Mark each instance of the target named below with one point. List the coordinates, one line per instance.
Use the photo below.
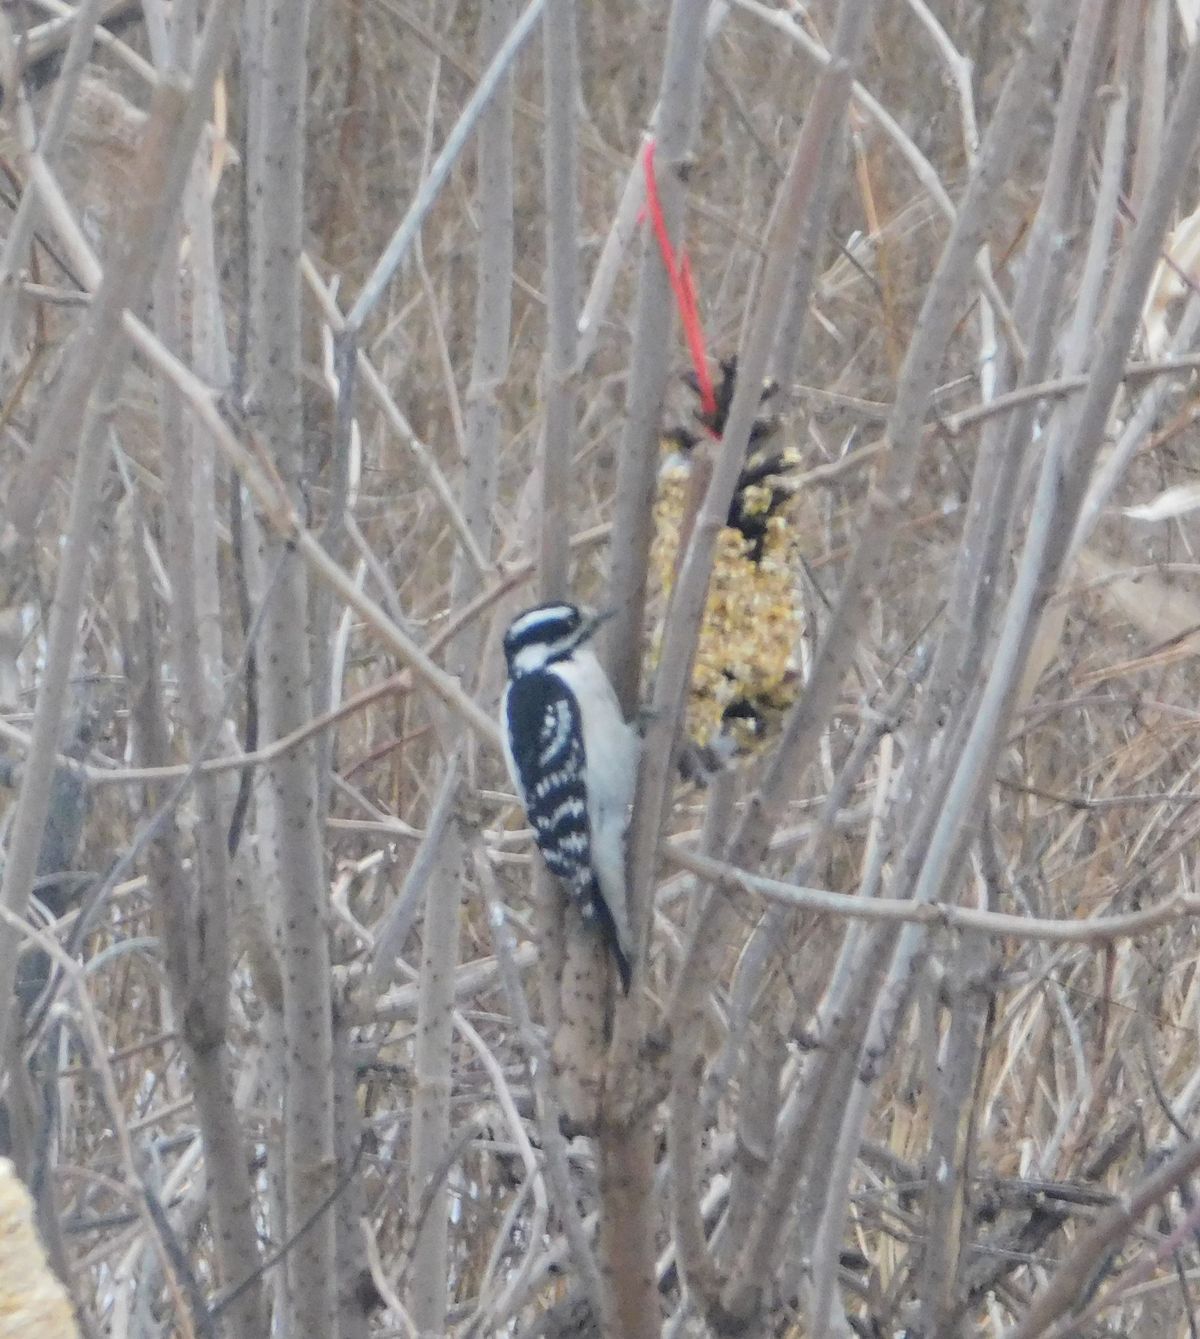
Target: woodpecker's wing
(545, 743)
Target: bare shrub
(326, 349)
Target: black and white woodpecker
(573, 759)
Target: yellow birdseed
(753, 618)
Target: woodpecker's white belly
(612, 749)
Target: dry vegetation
(287, 1022)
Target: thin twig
(1098, 930)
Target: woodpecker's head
(547, 633)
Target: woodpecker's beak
(597, 621)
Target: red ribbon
(680, 274)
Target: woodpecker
(573, 759)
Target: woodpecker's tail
(608, 928)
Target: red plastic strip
(680, 275)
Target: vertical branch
(572, 967)
(429, 1277)
(649, 360)
(1155, 21)
(196, 921)
(195, 916)
(489, 366)
(547, 1110)
(788, 342)
(493, 319)
(561, 80)
(627, 1227)
(947, 1162)
(279, 89)
(353, 1322)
